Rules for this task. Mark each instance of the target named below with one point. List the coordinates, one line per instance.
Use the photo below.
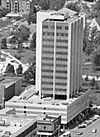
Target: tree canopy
(45, 5)
(96, 9)
(96, 58)
(91, 40)
(73, 6)
(33, 41)
(3, 12)
(20, 35)
(3, 43)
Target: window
(61, 71)
(46, 82)
(62, 47)
(60, 89)
(49, 77)
(60, 65)
(48, 52)
(61, 77)
(61, 53)
(47, 58)
(60, 83)
(61, 59)
(66, 27)
(47, 70)
(45, 26)
(59, 27)
(63, 41)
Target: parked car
(67, 134)
(83, 125)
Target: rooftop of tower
(63, 14)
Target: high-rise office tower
(59, 52)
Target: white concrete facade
(74, 46)
(41, 15)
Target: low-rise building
(9, 87)
(49, 126)
(34, 106)
(17, 126)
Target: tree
(73, 6)
(29, 74)
(3, 43)
(93, 82)
(57, 4)
(96, 9)
(31, 18)
(45, 5)
(3, 12)
(10, 69)
(21, 34)
(86, 38)
(33, 41)
(90, 39)
(19, 70)
(96, 59)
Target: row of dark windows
(51, 89)
(56, 83)
(62, 47)
(57, 40)
(61, 71)
(62, 40)
(47, 46)
(61, 65)
(58, 34)
(47, 58)
(61, 59)
(57, 71)
(51, 64)
(47, 70)
(44, 88)
(52, 58)
(56, 77)
(60, 89)
(52, 52)
(49, 40)
(48, 33)
(52, 46)
(61, 53)
(47, 76)
(57, 27)
(62, 34)
(48, 52)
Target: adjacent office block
(59, 51)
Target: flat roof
(12, 14)
(14, 124)
(8, 81)
(62, 14)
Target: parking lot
(91, 130)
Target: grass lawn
(27, 56)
